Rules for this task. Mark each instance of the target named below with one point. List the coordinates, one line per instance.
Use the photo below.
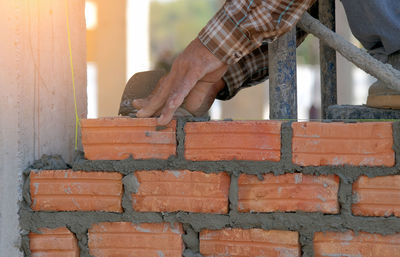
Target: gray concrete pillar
(36, 98)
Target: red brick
(124, 239)
(289, 192)
(378, 196)
(67, 190)
(182, 190)
(250, 242)
(358, 144)
(58, 242)
(118, 138)
(360, 244)
(233, 140)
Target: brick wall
(231, 188)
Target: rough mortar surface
(305, 223)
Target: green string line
(73, 75)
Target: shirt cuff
(225, 39)
(249, 71)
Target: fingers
(168, 111)
(188, 68)
(202, 96)
(156, 99)
(142, 102)
(182, 89)
(139, 103)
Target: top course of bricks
(367, 144)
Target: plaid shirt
(238, 35)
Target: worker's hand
(193, 64)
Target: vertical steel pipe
(282, 78)
(327, 59)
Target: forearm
(241, 26)
(251, 70)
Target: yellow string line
(73, 75)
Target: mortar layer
(305, 223)
(259, 168)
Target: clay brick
(58, 242)
(289, 192)
(378, 196)
(358, 144)
(233, 140)
(182, 190)
(118, 138)
(251, 242)
(124, 239)
(360, 244)
(66, 190)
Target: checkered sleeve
(251, 70)
(242, 26)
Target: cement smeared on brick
(305, 223)
(50, 162)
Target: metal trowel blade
(140, 85)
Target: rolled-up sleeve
(241, 26)
(251, 70)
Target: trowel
(196, 104)
(140, 85)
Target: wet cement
(305, 223)
(50, 162)
(358, 112)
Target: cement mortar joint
(305, 223)
(259, 168)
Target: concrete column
(107, 49)
(138, 38)
(36, 100)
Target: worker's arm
(194, 63)
(252, 69)
(235, 31)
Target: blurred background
(129, 36)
